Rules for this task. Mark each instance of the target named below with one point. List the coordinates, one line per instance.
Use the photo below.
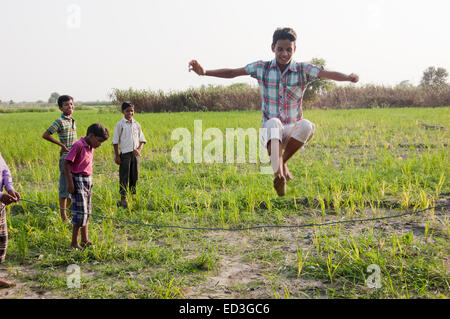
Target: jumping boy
(282, 82)
(67, 132)
(128, 140)
(78, 171)
(11, 196)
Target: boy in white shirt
(127, 141)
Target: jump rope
(308, 225)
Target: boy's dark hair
(126, 105)
(284, 34)
(64, 98)
(98, 130)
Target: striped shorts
(3, 233)
(81, 200)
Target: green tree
(318, 87)
(434, 78)
(53, 97)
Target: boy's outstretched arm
(220, 73)
(337, 76)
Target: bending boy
(78, 172)
(282, 82)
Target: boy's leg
(76, 216)
(88, 210)
(274, 148)
(3, 241)
(302, 132)
(74, 244)
(134, 169)
(62, 208)
(77, 206)
(273, 130)
(81, 206)
(63, 193)
(124, 177)
(3, 233)
(291, 148)
(84, 237)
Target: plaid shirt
(282, 94)
(67, 131)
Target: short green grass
(361, 163)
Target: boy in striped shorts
(67, 132)
(11, 196)
(78, 172)
(282, 82)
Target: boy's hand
(118, 160)
(7, 199)
(196, 67)
(137, 152)
(64, 149)
(71, 188)
(15, 195)
(353, 78)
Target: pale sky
(87, 47)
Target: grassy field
(360, 164)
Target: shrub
(371, 96)
(206, 98)
(245, 97)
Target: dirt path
(22, 289)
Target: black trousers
(128, 173)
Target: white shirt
(128, 135)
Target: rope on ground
(243, 228)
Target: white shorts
(302, 131)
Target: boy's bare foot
(5, 284)
(287, 173)
(86, 244)
(123, 202)
(279, 183)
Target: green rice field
(363, 163)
